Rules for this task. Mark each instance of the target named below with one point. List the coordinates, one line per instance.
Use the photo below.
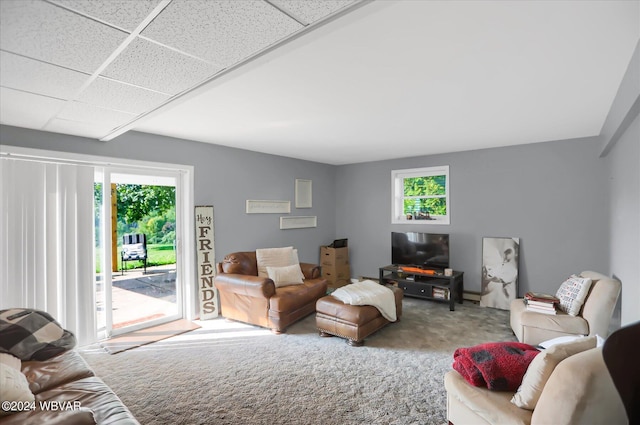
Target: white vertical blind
(45, 236)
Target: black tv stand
(431, 286)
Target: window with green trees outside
(421, 195)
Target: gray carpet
(228, 373)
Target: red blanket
(499, 366)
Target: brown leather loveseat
(249, 298)
(67, 392)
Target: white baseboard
(361, 278)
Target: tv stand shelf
(436, 286)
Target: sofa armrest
(56, 371)
(310, 271)
(580, 390)
(467, 404)
(252, 286)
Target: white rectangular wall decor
(206, 262)
(304, 194)
(298, 222)
(268, 207)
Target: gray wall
(624, 181)
(553, 196)
(571, 209)
(225, 178)
(621, 149)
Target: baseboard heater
(471, 296)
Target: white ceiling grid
(155, 67)
(374, 79)
(87, 67)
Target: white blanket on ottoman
(371, 293)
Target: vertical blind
(46, 242)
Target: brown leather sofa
(68, 392)
(249, 298)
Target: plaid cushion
(32, 334)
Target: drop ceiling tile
(83, 112)
(27, 110)
(309, 11)
(30, 75)
(111, 94)
(223, 32)
(126, 14)
(149, 65)
(76, 128)
(49, 33)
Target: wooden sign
(206, 263)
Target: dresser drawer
(415, 288)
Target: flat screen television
(426, 250)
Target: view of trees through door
(139, 293)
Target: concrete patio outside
(139, 297)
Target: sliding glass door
(64, 219)
(137, 216)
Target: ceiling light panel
(309, 11)
(49, 33)
(82, 112)
(126, 14)
(29, 110)
(121, 97)
(76, 128)
(222, 32)
(30, 75)
(154, 67)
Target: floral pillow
(572, 294)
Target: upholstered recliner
(594, 317)
(249, 298)
(578, 391)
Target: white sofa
(579, 391)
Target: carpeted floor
(230, 373)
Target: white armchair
(533, 328)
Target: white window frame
(397, 194)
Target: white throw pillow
(551, 342)
(11, 360)
(273, 257)
(572, 294)
(560, 340)
(285, 276)
(13, 387)
(542, 366)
